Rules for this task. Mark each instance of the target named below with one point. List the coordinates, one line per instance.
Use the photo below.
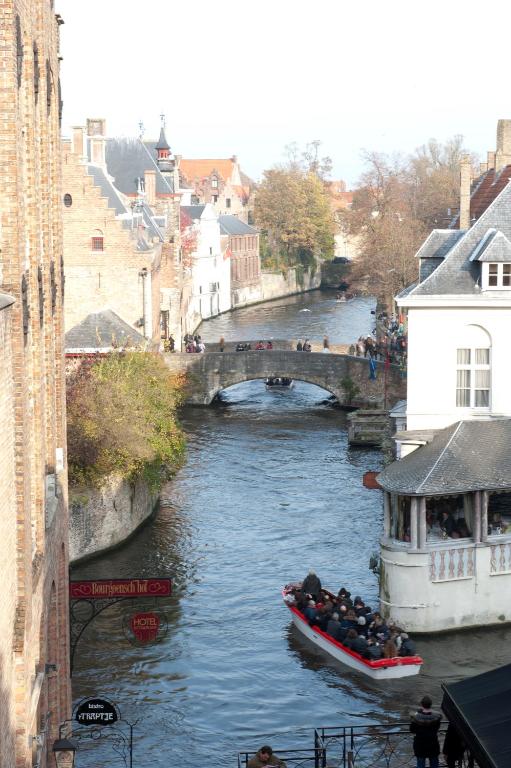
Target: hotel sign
(118, 588)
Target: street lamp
(65, 751)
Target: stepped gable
(466, 456)
(458, 274)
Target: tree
(121, 417)
(293, 210)
(397, 202)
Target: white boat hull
(384, 669)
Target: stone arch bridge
(211, 372)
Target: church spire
(162, 147)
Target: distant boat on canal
(382, 669)
(279, 382)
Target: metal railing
(372, 746)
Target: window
(97, 242)
(228, 202)
(214, 182)
(68, 200)
(473, 378)
(498, 275)
(214, 199)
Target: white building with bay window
(446, 547)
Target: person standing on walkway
(424, 725)
(454, 748)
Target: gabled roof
(107, 189)
(102, 331)
(494, 247)
(196, 170)
(466, 456)
(126, 161)
(439, 242)
(231, 225)
(457, 274)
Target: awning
(480, 710)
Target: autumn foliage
(121, 418)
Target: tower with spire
(164, 156)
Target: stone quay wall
(101, 519)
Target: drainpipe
(143, 275)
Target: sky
(242, 78)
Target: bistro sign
(96, 712)
(119, 588)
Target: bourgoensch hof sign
(96, 712)
(118, 588)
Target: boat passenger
(362, 626)
(312, 584)
(407, 646)
(269, 345)
(378, 629)
(333, 625)
(350, 638)
(310, 611)
(265, 756)
(373, 651)
(359, 644)
(389, 649)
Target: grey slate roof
(193, 211)
(6, 300)
(494, 247)
(457, 274)
(466, 456)
(107, 189)
(102, 330)
(439, 242)
(126, 161)
(162, 141)
(231, 225)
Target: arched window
(68, 200)
(473, 368)
(97, 242)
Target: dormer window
(496, 275)
(214, 182)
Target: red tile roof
(484, 191)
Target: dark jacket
(332, 627)
(311, 585)
(425, 724)
(373, 653)
(407, 648)
(454, 747)
(359, 644)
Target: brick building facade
(33, 481)
(240, 242)
(219, 182)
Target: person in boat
(259, 345)
(424, 724)
(407, 646)
(299, 346)
(269, 345)
(359, 606)
(311, 584)
(333, 625)
(373, 651)
(355, 642)
(362, 626)
(389, 649)
(265, 756)
(351, 636)
(378, 629)
(311, 612)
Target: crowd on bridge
(193, 343)
(349, 620)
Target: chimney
(150, 187)
(483, 167)
(465, 179)
(503, 153)
(78, 140)
(490, 157)
(96, 131)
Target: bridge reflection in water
(337, 372)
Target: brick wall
(110, 278)
(30, 269)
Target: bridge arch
(244, 380)
(209, 373)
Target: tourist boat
(383, 669)
(340, 298)
(279, 382)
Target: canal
(270, 489)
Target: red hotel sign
(118, 588)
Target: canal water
(270, 489)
